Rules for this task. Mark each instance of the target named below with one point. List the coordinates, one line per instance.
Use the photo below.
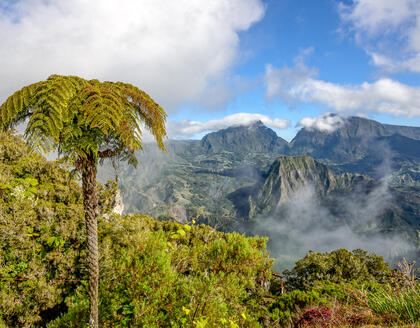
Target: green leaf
(181, 232)
(50, 241)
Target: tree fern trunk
(90, 203)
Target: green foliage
(82, 117)
(155, 276)
(286, 305)
(42, 234)
(338, 266)
(164, 274)
(403, 303)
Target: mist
(351, 220)
(348, 221)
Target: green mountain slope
(195, 177)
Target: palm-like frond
(80, 116)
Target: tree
(86, 121)
(337, 266)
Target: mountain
(302, 204)
(196, 176)
(254, 138)
(397, 208)
(334, 185)
(364, 146)
(208, 177)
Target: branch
(109, 153)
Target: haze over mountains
(357, 185)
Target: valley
(364, 177)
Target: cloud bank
(174, 50)
(326, 122)
(389, 31)
(300, 84)
(187, 128)
(304, 224)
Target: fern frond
(78, 116)
(17, 106)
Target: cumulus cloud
(388, 30)
(300, 84)
(187, 128)
(173, 50)
(326, 122)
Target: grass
(405, 303)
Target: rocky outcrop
(288, 174)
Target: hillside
(201, 177)
(302, 205)
(195, 177)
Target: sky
(213, 64)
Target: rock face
(289, 174)
(179, 213)
(118, 203)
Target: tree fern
(87, 121)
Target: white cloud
(299, 84)
(173, 50)
(188, 128)
(326, 122)
(389, 31)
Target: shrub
(338, 266)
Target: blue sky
(276, 60)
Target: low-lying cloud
(344, 220)
(305, 223)
(300, 84)
(326, 122)
(187, 128)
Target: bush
(286, 307)
(338, 266)
(154, 274)
(163, 274)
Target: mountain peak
(257, 123)
(254, 137)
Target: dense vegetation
(87, 121)
(165, 274)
